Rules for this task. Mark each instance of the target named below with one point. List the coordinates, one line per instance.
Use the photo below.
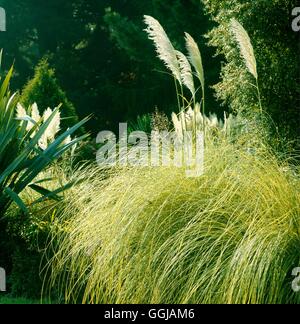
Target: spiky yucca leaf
(186, 72)
(245, 45)
(163, 45)
(195, 57)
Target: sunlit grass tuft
(152, 235)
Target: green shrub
(25, 279)
(44, 90)
(142, 123)
(276, 48)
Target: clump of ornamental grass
(152, 235)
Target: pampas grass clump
(152, 235)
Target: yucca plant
(28, 146)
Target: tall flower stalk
(247, 52)
(180, 65)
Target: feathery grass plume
(213, 121)
(182, 120)
(195, 58)
(229, 124)
(186, 72)
(245, 45)
(164, 47)
(193, 120)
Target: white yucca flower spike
(35, 114)
(54, 126)
(245, 45)
(47, 114)
(195, 57)
(164, 47)
(186, 72)
(43, 142)
(21, 113)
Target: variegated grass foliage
(152, 235)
